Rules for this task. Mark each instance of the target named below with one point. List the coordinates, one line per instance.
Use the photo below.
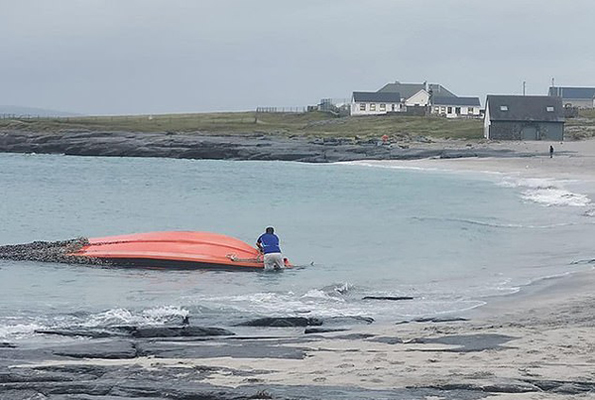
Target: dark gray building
(581, 97)
(524, 118)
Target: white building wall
(450, 111)
(374, 108)
(486, 122)
(420, 98)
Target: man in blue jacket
(268, 243)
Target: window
(449, 111)
(550, 108)
(503, 108)
(470, 110)
(442, 110)
(362, 107)
(382, 107)
(372, 107)
(458, 110)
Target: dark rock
(308, 331)
(47, 251)
(282, 322)
(563, 387)
(387, 340)
(468, 343)
(573, 388)
(140, 332)
(510, 386)
(25, 394)
(243, 349)
(90, 333)
(113, 349)
(440, 319)
(6, 345)
(229, 147)
(183, 331)
(356, 319)
(355, 336)
(394, 298)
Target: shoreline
(533, 344)
(527, 345)
(315, 149)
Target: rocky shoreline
(233, 147)
(175, 362)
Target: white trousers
(273, 261)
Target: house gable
(421, 98)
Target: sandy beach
(571, 160)
(536, 344)
(543, 333)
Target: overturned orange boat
(170, 250)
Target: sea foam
(547, 192)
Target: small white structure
(375, 103)
(456, 107)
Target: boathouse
(524, 118)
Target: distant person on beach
(268, 243)
(551, 151)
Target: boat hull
(174, 250)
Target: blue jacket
(269, 242)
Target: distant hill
(34, 112)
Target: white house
(415, 99)
(375, 103)
(455, 107)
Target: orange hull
(174, 250)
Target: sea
(449, 240)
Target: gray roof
(572, 92)
(525, 108)
(409, 89)
(456, 101)
(377, 97)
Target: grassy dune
(314, 124)
(317, 124)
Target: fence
(281, 109)
(24, 116)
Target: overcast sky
(159, 56)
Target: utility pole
(524, 87)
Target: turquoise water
(448, 239)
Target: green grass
(315, 124)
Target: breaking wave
(547, 192)
(152, 316)
(24, 327)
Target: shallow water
(447, 239)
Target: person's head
(270, 229)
